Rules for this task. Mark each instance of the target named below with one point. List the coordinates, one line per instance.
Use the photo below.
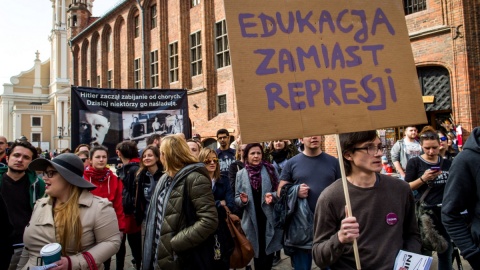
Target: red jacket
(110, 188)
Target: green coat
(37, 186)
(174, 237)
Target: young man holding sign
(309, 173)
(384, 219)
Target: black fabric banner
(109, 116)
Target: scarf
(255, 175)
(134, 160)
(279, 156)
(92, 174)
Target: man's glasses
(222, 138)
(372, 150)
(49, 174)
(208, 161)
(83, 159)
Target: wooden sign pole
(347, 197)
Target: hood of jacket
(473, 141)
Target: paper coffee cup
(51, 253)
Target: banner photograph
(109, 116)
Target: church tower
(69, 17)
(79, 12)
(59, 77)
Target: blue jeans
(302, 259)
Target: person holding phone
(428, 175)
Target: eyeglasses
(208, 161)
(429, 136)
(372, 150)
(443, 138)
(49, 174)
(222, 138)
(84, 159)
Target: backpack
(129, 193)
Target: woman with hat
(71, 216)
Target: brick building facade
(445, 38)
(183, 44)
(159, 44)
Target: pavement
(283, 265)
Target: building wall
(445, 34)
(176, 21)
(27, 95)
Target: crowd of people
(169, 201)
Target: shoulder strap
(429, 187)
(425, 194)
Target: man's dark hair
(222, 131)
(128, 149)
(25, 144)
(153, 137)
(348, 142)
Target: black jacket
(6, 230)
(462, 191)
(132, 205)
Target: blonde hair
(204, 153)
(176, 154)
(67, 221)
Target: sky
(24, 28)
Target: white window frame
(109, 41)
(137, 78)
(196, 53)
(99, 49)
(220, 105)
(222, 48)
(110, 78)
(136, 23)
(154, 69)
(195, 2)
(173, 62)
(39, 134)
(31, 121)
(153, 16)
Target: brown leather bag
(243, 251)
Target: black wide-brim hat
(70, 167)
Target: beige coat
(101, 236)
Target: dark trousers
(135, 243)
(263, 261)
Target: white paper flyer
(412, 261)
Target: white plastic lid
(50, 249)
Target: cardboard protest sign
(109, 116)
(311, 67)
